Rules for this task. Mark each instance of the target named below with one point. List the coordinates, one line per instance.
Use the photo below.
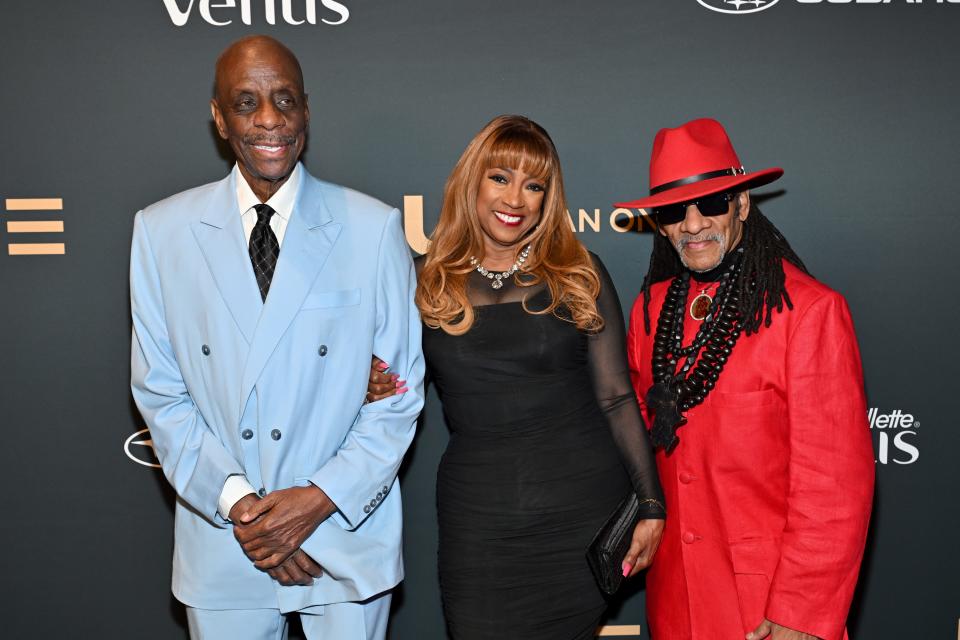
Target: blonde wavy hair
(556, 256)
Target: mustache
(686, 239)
(270, 140)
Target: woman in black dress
(524, 340)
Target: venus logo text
(221, 13)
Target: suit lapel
(220, 236)
(310, 235)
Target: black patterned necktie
(264, 249)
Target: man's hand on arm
(272, 529)
(773, 631)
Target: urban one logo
(896, 436)
(752, 6)
(220, 13)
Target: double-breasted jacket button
(262, 492)
(205, 350)
(275, 434)
(686, 478)
(373, 503)
(380, 495)
(366, 508)
(322, 350)
(688, 537)
(246, 434)
(385, 489)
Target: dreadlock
(761, 284)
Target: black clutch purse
(606, 551)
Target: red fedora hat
(695, 160)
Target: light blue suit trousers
(342, 621)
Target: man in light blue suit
(256, 302)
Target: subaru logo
(738, 6)
(139, 448)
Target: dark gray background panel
(105, 105)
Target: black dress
(546, 439)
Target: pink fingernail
(384, 366)
(626, 568)
(404, 390)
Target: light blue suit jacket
(210, 361)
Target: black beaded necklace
(673, 393)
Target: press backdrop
(105, 110)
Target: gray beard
(683, 241)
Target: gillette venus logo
(896, 436)
(221, 13)
(753, 6)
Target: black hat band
(697, 178)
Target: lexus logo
(738, 6)
(139, 448)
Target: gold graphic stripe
(34, 204)
(413, 224)
(621, 630)
(37, 226)
(37, 249)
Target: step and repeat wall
(105, 110)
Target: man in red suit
(748, 371)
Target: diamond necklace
(497, 278)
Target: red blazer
(769, 491)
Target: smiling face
(261, 110)
(509, 204)
(703, 241)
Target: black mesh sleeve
(607, 353)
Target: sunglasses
(715, 204)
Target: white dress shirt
(282, 203)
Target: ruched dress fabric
(546, 440)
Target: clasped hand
(271, 530)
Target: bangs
(522, 149)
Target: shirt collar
(282, 201)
